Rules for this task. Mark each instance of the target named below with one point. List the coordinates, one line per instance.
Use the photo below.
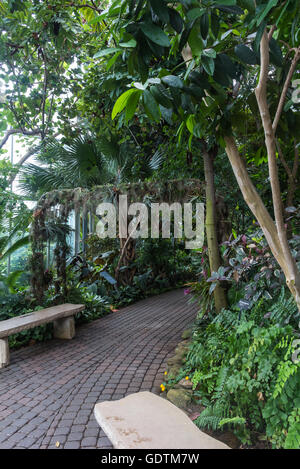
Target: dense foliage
(243, 373)
(139, 92)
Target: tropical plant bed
(96, 307)
(237, 374)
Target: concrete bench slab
(144, 420)
(61, 316)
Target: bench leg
(64, 328)
(4, 352)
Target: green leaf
(109, 148)
(195, 91)
(160, 9)
(179, 132)
(195, 13)
(245, 54)
(15, 246)
(282, 12)
(248, 5)
(204, 25)
(157, 50)
(112, 61)
(258, 36)
(185, 35)
(287, 105)
(155, 34)
(161, 96)
(122, 102)
(208, 64)
(196, 41)
(104, 52)
(12, 279)
(231, 9)
(166, 114)
(131, 43)
(200, 79)
(220, 76)
(275, 53)
(176, 20)
(131, 104)
(228, 66)
(209, 53)
(265, 11)
(228, 3)
(190, 123)
(173, 81)
(150, 105)
(186, 102)
(214, 24)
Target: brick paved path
(48, 392)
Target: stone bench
(146, 421)
(61, 316)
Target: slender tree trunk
(270, 229)
(275, 232)
(211, 227)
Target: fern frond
(235, 421)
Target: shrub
(243, 372)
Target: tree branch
(254, 200)
(271, 32)
(18, 131)
(285, 89)
(292, 274)
(31, 151)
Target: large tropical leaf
(15, 246)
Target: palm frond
(157, 159)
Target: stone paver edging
(48, 393)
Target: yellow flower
(186, 377)
(165, 372)
(162, 387)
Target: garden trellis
(54, 210)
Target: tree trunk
(211, 227)
(256, 205)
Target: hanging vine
(58, 205)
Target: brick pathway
(48, 392)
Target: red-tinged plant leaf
(194, 416)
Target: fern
(236, 421)
(284, 309)
(293, 437)
(285, 370)
(211, 417)
(208, 419)
(229, 318)
(221, 380)
(199, 376)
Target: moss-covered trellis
(57, 206)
